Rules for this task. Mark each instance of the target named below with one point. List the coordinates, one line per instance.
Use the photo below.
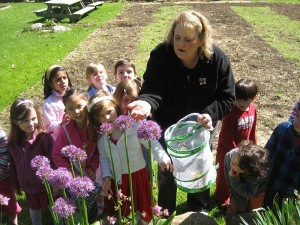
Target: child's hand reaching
(167, 166)
(106, 185)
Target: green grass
(26, 55)
(277, 30)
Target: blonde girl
(27, 139)
(56, 81)
(103, 109)
(96, 77)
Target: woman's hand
(205, 120)
(167, 167)
(139, 110)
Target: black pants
(167, 188)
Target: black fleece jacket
(173, 91)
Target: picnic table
(72, 9)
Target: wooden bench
(95, 4)
(78, 14)
(43, 12)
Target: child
(125, 69)
(126, 92)
(104, 109)
(27, 140)
(284, 147)
(13, 208)
(75, 132)
(56, 81)
(246, 170)
(96, 76)
(294, 111)
(238, 125)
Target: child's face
(29, 124)
(98, 78)
(234, 164)
(125, 72)
(125, 101)
(60, 82)
(242, 104)
(108, 115)
(296, 123)
(76, 108)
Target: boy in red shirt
(238, 125)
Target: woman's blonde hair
(194, 20)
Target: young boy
(96, 76)
(284, 147)
(238, 125)
(247, 171)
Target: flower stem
(115, 178)
(51, 201)
(72, 168)
(151, 175)
(130, 179)
(80, 168)
(85, 211)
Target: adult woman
(185, 74)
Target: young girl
(56, 81)
(125, 69)
(75, 132)
(27, 140)
(126, 92)
(247, 171)
(96, 76)
(13, 208)
(102, 109)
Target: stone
(37, 26)
(193, 218)
(59, 28)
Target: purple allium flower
(124, 122)
(4, 200)
(156, 210)
(106, 128)
(81, 186)
(111, 219)
(120, 194)
(149, 130)
(64, 207)
(60, 178)
(39, 161)
(44, 172)
(74, 153)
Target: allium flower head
(156, 210)
(106, 128)
(60, 178)
(124, 122)
(39, 161)
(111, 219)
(64, 207)
(73, 153)
(149, 130)
(165, 212)
(81, 186)
(4, 200)
(44, 172)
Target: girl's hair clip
(49, 70)
(24, 101)
(98, 99)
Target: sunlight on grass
(154, 33)
(26, 55)
(279, 31)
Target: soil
(251, 57)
